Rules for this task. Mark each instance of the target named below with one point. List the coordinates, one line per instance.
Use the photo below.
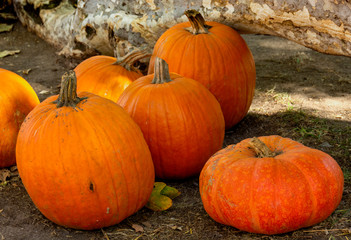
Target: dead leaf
(5, 27)
(8, 53)
(4, 174)
(137, 228)
(43, 92)
(13, 168)
(147, 224)
(174, 227)
(7, 16)
(25, 71)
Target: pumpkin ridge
(214, 43)
(137, 206)
(188, 41)
(310, 189)
(98, 130)
(200, 46)
(216, 197)
(222, 41)
(252, 206)
(320, 175)
(174, 47)
(186, 109)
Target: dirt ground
(300, 94)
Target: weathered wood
(105, 26)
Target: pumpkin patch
(167, 156)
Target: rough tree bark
(87, 27)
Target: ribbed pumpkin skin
(220, 60)
(99, 75)
(181, 121)
(17, 100)
(86, 167)
(298, 188)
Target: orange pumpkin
(216, 56)
(83, 160)
(17, 100)
(270, 185)
(107, 77)
(181, 121)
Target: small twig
(105, 234)
(139, 236)
(329, 230)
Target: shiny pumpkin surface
(87, 166)
(297, 188)
(17, 99)
(219, 59)
(102, 76)
(181, 121)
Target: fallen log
(114, 27)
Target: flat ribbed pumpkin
(83, 160)
(270, 185)
(106, 76)
(216, 56)
(17, 99)
(181, 120)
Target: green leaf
(161, 197)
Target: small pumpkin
(270, 185)
(106, 76)
(181, 120)
(17, 99)
(215, 55)
(83, 160)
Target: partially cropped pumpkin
(270, 185)
(181, 120)
(83, 160)
(17, 99)
(216, 56)
(106, 76)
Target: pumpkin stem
(68, 92)
(260, 148)
(197, 22)
(131, 58)
(161, 72)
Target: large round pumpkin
(216, 56)
(17, 99)
(83, 160)
(106, 76)
(270, 185)
(181, 120)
